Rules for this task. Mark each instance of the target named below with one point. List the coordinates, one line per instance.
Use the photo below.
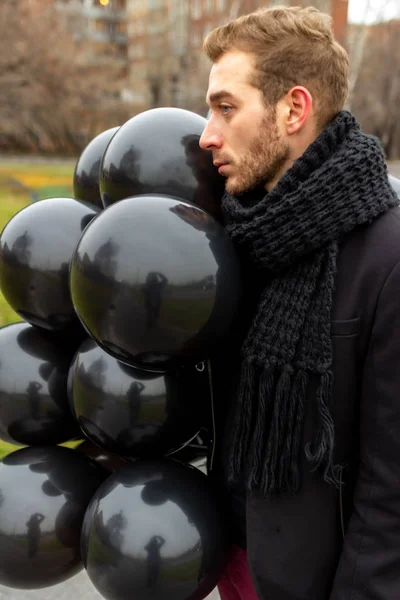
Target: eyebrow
(216, 96)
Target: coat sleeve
(369, 566)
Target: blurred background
(70, 69)
(78, 67)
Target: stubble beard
(265, 157)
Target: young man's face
(242, 133)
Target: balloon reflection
(152, 291)
(167, 287)
(36, 247)
(172, 545)
(107, 460)
(87, 168)
(44, 493)
(34, 533)
(34, 405)
(131, 413)
(153, 560)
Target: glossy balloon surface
(395, 183)
(44, 493)
(87, 169)
(107, 460)
(36, 247)
(160, 528)
(127, 412)
(165, 280)
(158, 152)
(34, 406)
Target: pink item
(236, 582)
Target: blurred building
(138, 41)
(160, 41)
(101, 25)
(157, 31)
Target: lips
(220, 165)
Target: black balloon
(44, 493)
(34, 406)
(130, 413)
(165, 280)
(395, 183)
(158, 152)
(87, 168)
(36, 247)
(107, 460)
(152, 531)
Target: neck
(272, 182)
(297, 148)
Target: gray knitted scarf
(292, 236)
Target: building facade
(99, 24)
(160, 42)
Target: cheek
(243, 137)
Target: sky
(368, 11)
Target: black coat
(323, 543)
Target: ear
(299, 103)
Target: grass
(22, 182)
(35, 181)
(6, 448)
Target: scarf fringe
(265, 391)
(320, 452)
(242, 422)
(268, 430)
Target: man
(307, 388)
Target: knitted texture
(292, 236)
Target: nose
(210, 138)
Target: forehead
(231, 73)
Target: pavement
(77, 588)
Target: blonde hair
(291, 46)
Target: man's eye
(225, 109)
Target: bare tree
(357, 43)
(52, 101)
(376, 94)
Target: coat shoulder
(375, 242)
(385, 230)
(389, 223)
(366, 258)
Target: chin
(232, 187)
(235, 190)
